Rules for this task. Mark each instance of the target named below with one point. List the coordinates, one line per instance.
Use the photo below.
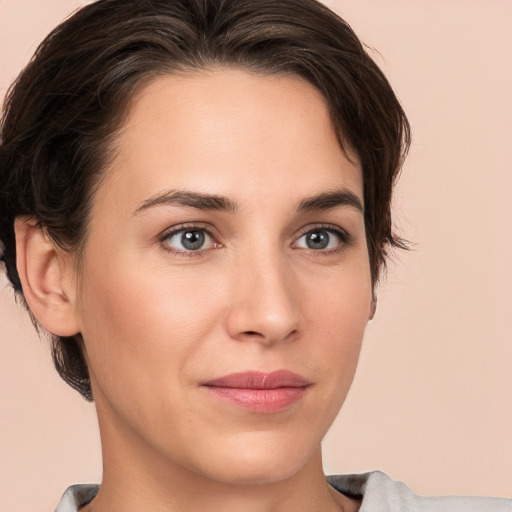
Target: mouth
(259, 391)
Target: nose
(265, 301)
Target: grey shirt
(378, 492)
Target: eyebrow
(328, 200)
(203, 201)
(189, 198)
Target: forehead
(229, 131)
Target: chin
(259, 460)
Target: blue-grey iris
(317, 239)
(192, 240)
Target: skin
(158, 320)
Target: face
(225, 287)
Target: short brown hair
(62, 113)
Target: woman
(213, 311)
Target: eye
(321, 239)
(189, 240)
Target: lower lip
(260, 400)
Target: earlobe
(46, 278)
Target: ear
(47, 277)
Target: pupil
(317, 239)
(192, 240)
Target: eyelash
(345, 239)
(183, 229)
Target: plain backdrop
(432, 401)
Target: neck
(138, 477)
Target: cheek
(150, 325)
(337, 317)
(339, 303)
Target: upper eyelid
(210, 229)
(194, 226)
(326, 226)
(199, 226)
(212, 232)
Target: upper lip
(260, 380)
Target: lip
(260, 391)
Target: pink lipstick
(259, 391)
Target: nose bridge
(265, 305)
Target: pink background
(432, 401)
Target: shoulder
(380, 493)
(76, 496)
